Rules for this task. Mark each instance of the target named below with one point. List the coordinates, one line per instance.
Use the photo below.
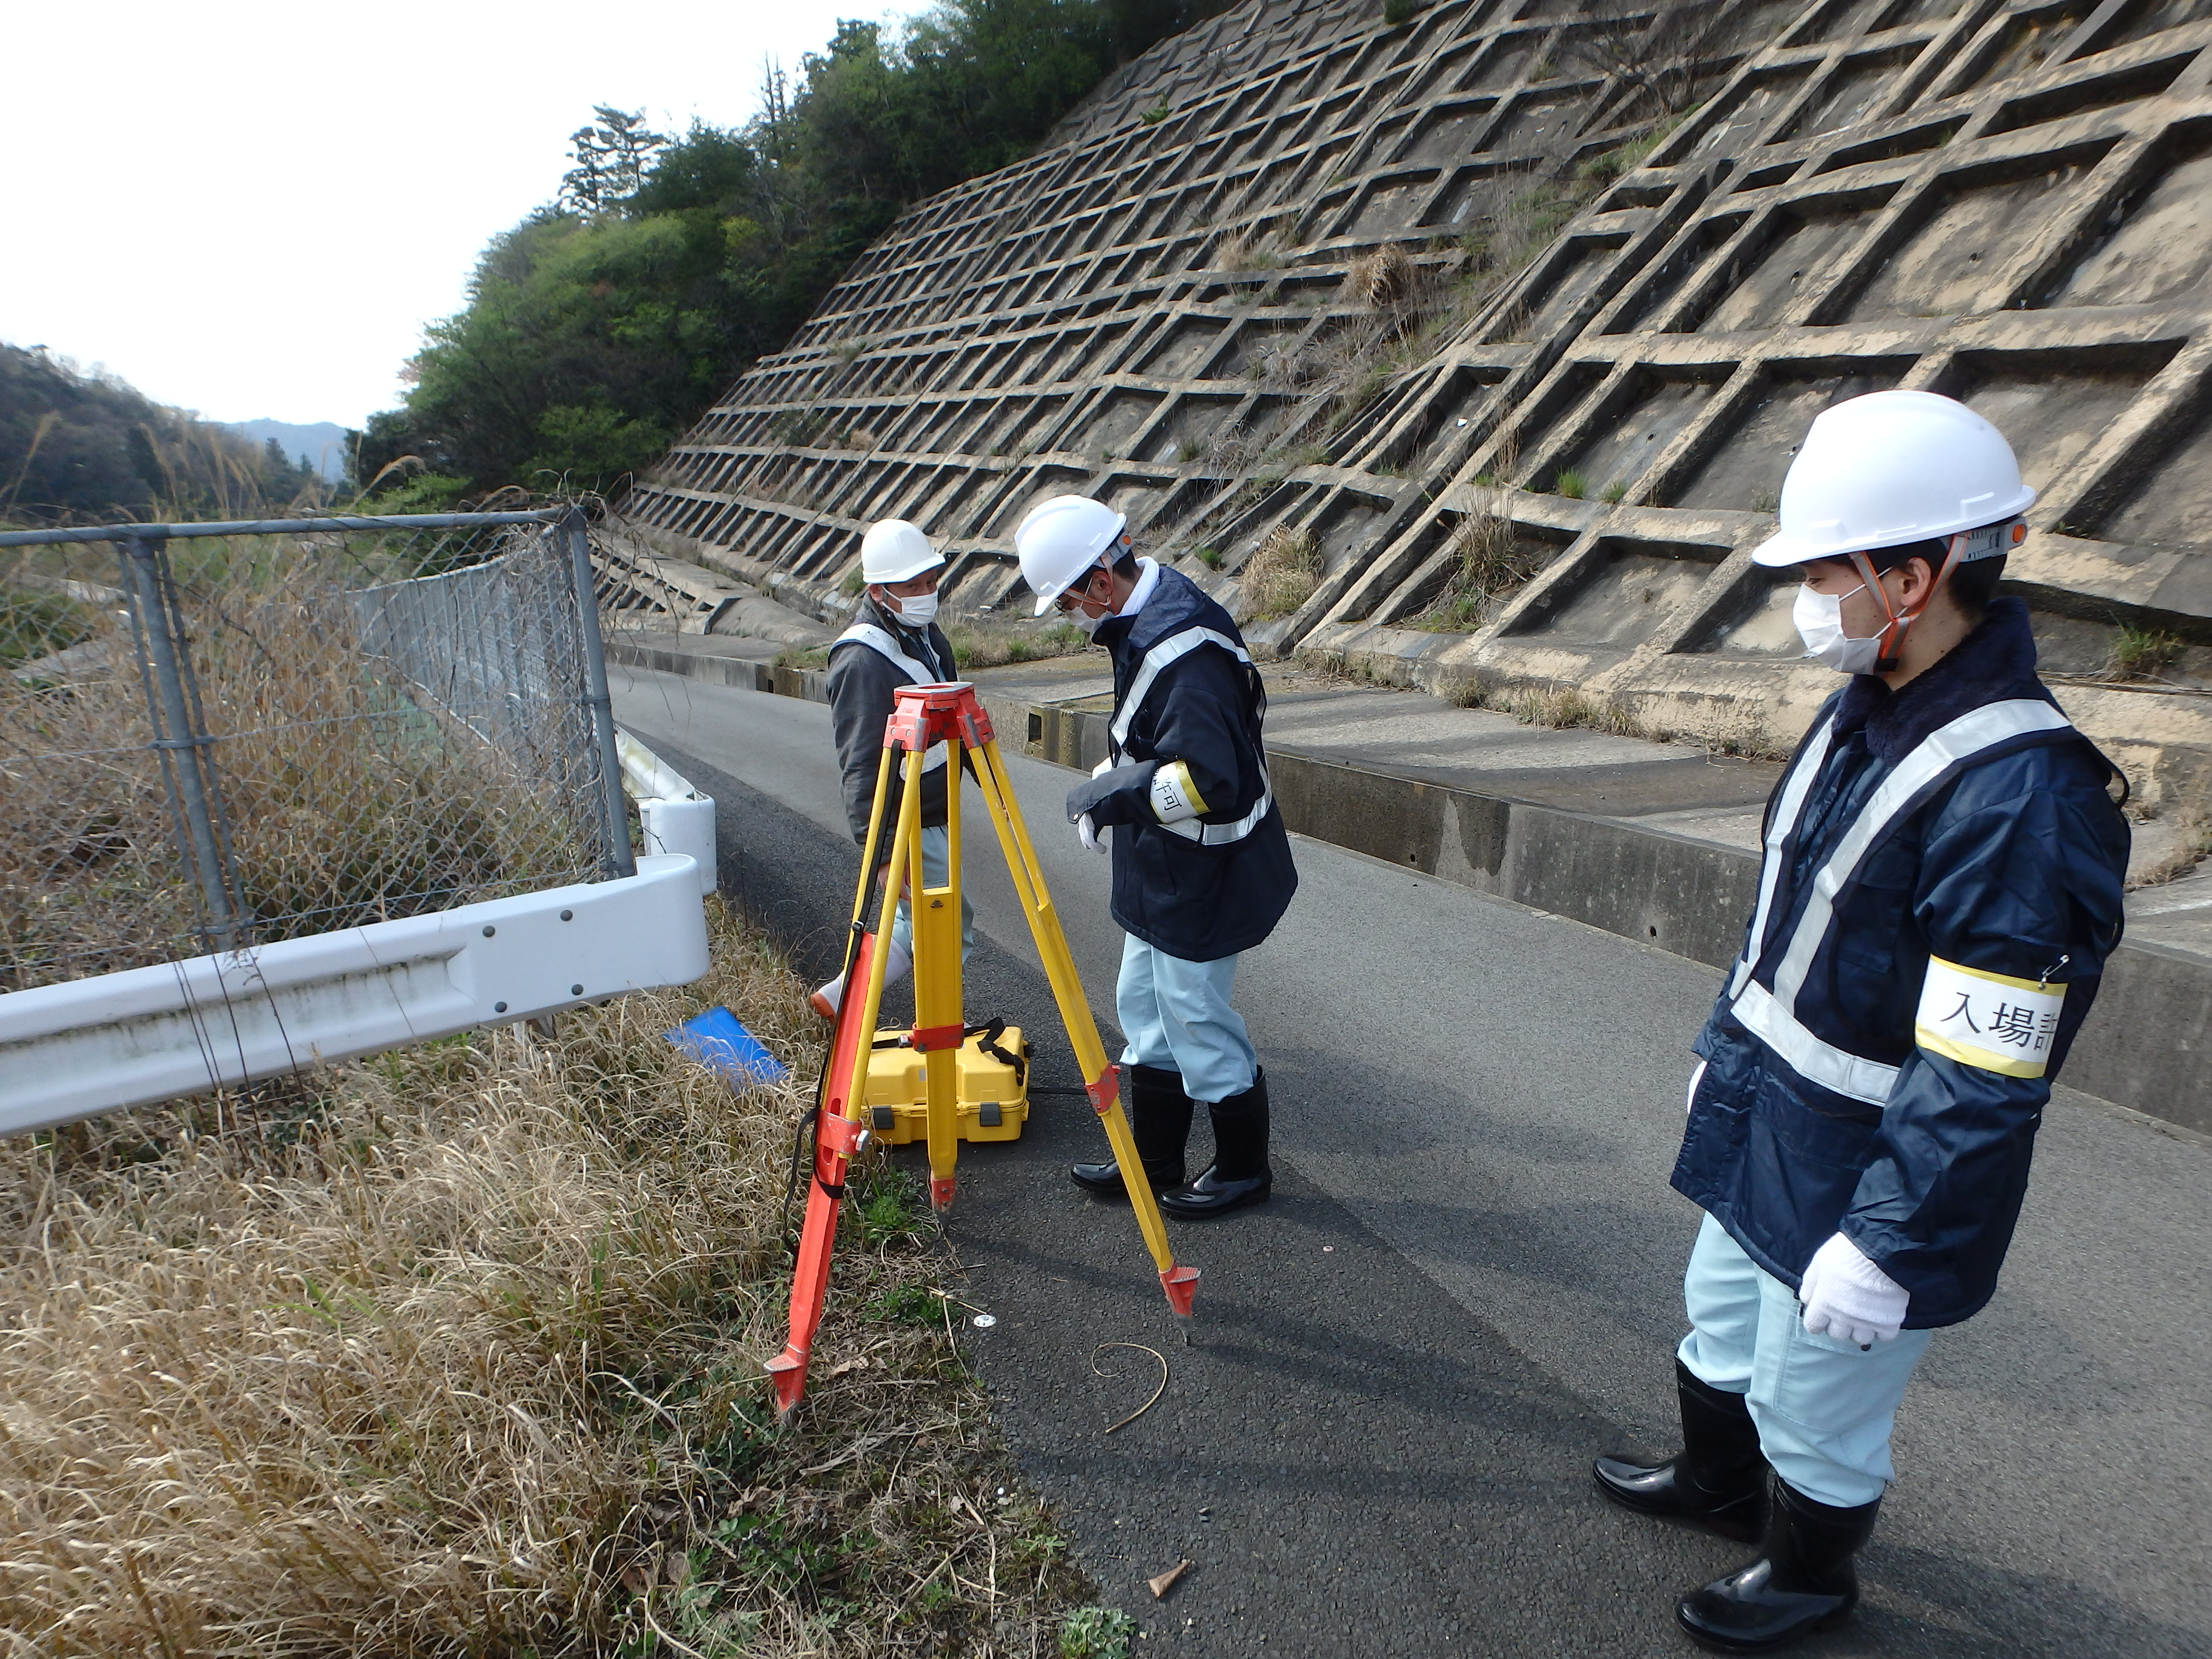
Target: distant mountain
(324, 446)
(83, 446)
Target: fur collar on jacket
(1996, 662)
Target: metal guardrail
(294, 726)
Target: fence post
(620, 860)
(172, 704)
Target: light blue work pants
(1823, 1406)
(936, 870)
(1176, 1016)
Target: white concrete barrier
(675, 817)
(153, 1034)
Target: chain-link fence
(214, 736)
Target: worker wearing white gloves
(1939, 890)
(894, 641)
(1202, 867)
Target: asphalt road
(1468, 1282)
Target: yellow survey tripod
(923, 716)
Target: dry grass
(1383, 280)
(459, 1352)
(346, 801)
(1281, 575)
(1490, 564)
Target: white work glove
(1084, 827)
(1849, 1297)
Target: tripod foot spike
(787, 1379)
(941, 1194)
(1181, 1283)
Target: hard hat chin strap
(1892, 633)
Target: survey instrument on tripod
(921, 717)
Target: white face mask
(1820, 619)
(1090, 624)
(917, 610)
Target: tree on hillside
(598, 329)
(611, 155)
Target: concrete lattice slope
(1465, 317)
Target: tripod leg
(937, 1014)
(839, 1136)
(1100, 1080)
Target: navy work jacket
(2008, 864)
(1205, 708)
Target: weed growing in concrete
(1155, 115)
(1282, 574)
(1614, 491)
(802, 656)
(1570, 482)
(2141, 654)
(1208, 556)
(1244, 251)
(1489, 566)
(1626, 158)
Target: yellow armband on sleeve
(1990, 1020)
(1175, 798)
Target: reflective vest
(1169, 650)
(882, 641)
(1763, 990)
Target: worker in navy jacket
(1202, 867)
(1939, 892)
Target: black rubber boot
(1803, 1580)
(1160, 1122)
(1719, 1481)
(1239, 1174)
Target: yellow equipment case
(994, 1069)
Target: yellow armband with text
(1175, 798)
(1990, 1020)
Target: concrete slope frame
(1509, 316)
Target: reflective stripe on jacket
(861, 681)
(1185, 690)
(1962, 823)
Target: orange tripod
(921, 717)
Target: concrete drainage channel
(2147, 1047)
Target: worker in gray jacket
(894, 641)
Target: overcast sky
(251, 208)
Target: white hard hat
(1894, 467)
(1060, 540)
(894, 551)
